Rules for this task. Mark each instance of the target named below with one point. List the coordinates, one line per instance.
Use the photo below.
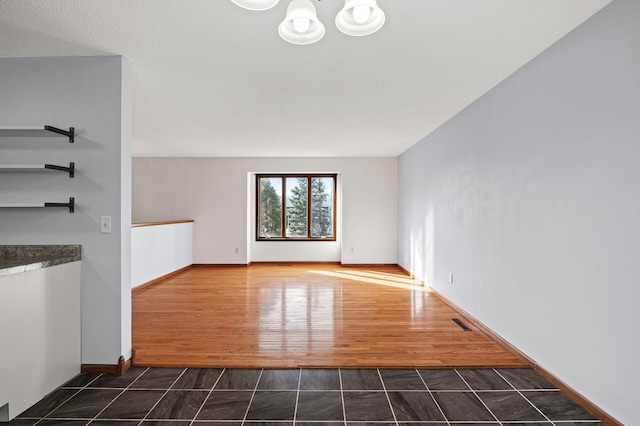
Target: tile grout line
(384, 387)
(207, 397)
(117, 396)
(163, 395)
(295, 409)
(344, 409)
(432, 397)
(525, 398)
(476, 395)
(255, 389)
(40, 419)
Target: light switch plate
(105, 224)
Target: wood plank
(304, 315)
(165, 222)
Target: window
(296, 207)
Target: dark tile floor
(308, 397)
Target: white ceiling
(213, 79)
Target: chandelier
(302, 26)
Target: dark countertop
(22, 258)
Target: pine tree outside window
(271, 207)
(296, 207)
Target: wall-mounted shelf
(70, 205)
(38, 167)
(46, 131)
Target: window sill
(333, 239)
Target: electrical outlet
(105, 224)
(236, 250)
(450, 277)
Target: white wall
(159, 250)
(214, 192)
(92, 94)
(530, 197)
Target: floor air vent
(459, 323)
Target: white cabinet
(39, 334)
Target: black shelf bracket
(71, 169)
(70, 133)
(70, 204)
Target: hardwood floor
(268, 316)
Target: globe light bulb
(301, 24)
(361, 13)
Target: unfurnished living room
(305, 212)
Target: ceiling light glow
(360, 17)
(361, 13)
(301, 25)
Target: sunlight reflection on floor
(389, 280)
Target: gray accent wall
(531, 198)
(92, 94)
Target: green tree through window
(321, 211)
(297, 204)
(296, 207)
(271, 209)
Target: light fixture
(301, 25)
(256, 4)
(360, 17)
